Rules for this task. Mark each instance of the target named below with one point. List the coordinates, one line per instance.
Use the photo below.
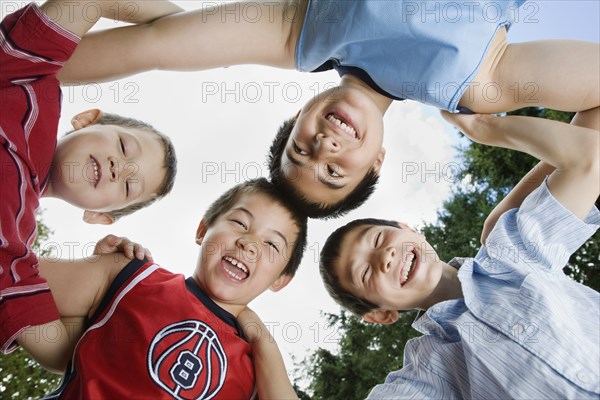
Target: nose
(327, 143)
(116, 168)
(384, 259)
(247, 246)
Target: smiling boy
(451, 55)
(508, 323)
(110, 165)
(149, 333)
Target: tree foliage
(21, 376)
(367, 353)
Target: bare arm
(77, 286)
(215, 36)
(572, 150)
(272, 380)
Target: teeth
(95, 170)
(237, 263)
(407, 268)
(347, 128)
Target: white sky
(222, 122)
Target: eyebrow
(329, 184)
(246, 211)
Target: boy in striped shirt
(508, 323)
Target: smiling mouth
(236, 269)
(97, 170)
(344, 125)
(408, 267)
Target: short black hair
(331, 254)
(312, 209)
(263, 186)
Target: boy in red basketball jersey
(140, 331)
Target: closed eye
(274, 246)
(126, 188)
(298, 150)
(122, 146)
(240, 223)
(377, 239)
(364, 274)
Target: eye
(273, 245)
(240, 223)
(122, 146)
(377, 239)
(298, 150)
(364, 274)
(332, 172)
(126, 188)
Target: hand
(488, 225)
(114, 244)
(251, 325)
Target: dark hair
(331, 254)
(169, 162)
(353, 200)
(263, 186)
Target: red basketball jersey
(159, 336)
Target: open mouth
(97, 171)
(408, 268)
(344, 125)
(235, 268)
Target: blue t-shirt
(428, 51)
(524, 330)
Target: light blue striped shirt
(524, 330)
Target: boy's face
(394, 268)
(107, 167)
(245, 250)
(336, 140)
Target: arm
(215, 36)
(77, 286)
(271, 376)
(572, 150)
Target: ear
(95, 217)
(280, 282)
(86, 118)
(383, 317)
(379, 161)
(297, 115)
(200, 232)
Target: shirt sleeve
(33, 45)
(542, 233)
(422, 376)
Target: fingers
(119, 244)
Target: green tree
(22, 377)
(366, 353)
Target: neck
(382, 102)
(448, 288)
(233, 309)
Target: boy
(110, 166)
(509, 323)
(449, 54)
(148, 333)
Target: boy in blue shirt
(449, 54)
(508, 323)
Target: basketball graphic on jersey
(186, 359)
